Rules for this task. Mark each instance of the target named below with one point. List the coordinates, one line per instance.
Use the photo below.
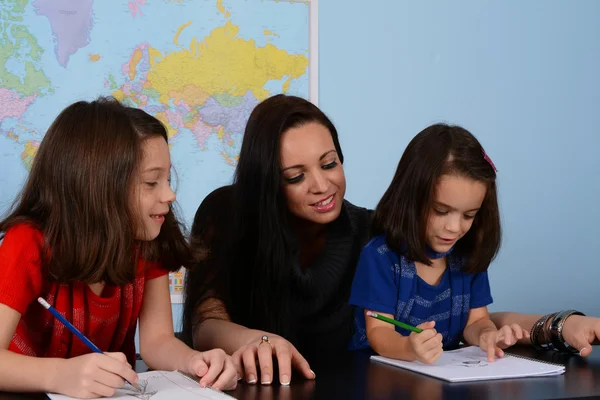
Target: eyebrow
(300, 165)
(153, 169)
(452, 208)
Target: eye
(151, 184)
(469, 216)
(440, 212)
(331, 165)
(295, 179)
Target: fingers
(109, 379)
(249, 361)
(284, 361)
(118, 356)
(265, 361)
(236, 358)
(100, 390)
(300, 363)
(426, 325)
(581, 343)
(228, 378)
(491, 348)
(215, 359)
(110, 364)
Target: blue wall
(523, 76)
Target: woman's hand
(263, 350)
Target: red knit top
(109, 321)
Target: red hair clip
(488, 159)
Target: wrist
(50, 379)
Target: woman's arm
(246, 346)
(581, 332)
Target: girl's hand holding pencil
(425, 341)
(92, 375)
(426, 345)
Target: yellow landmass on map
(94, 57)
(162, 117)
(191, 95)
(223, 63)
(222, 9)
(270, 33)
(135, 60)
(182, 27)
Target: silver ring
(265, 339)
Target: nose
(452, 223)
(319, 183)
(169, 195)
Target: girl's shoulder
(22, 235)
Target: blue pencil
(76, 332)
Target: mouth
(447, 240)
(160, 218)
(325, 205)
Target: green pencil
(394, 322)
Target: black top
(322, 319)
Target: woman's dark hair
(403, 211)
(79, 195)
(250, 257)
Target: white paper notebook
(471, 364)
(163, 385)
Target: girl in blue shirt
(437, 228)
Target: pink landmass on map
(135, 7)
(12, 105)
(201, 131)
(71, 23)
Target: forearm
(525, 321)
(19, 373)
(473, 331)
(389, 343)
(166, 352)
(226, 335)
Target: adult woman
(282, 246)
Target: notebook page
(162, 385)
(470, 364)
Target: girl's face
(313, 178)
(456, 202)
(152, 187)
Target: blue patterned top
(388, 283)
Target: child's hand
(214, 368)
(92, 375)
(493, 341)
(427, 345)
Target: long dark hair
(79, 195)
(248, 267)
(403, 211)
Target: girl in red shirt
(93, 232)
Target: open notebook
(163, 385)
(471, 364)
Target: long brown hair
(248, 267)
(403, 211)
(79, 195)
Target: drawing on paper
(144, 393)
(469, 362)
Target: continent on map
(217, 101)
(71, 23)
(12, 105)
(17, 44)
